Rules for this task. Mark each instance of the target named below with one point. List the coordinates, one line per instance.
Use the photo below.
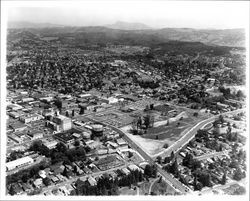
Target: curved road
(175, 147)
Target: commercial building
(59, 123)
(21, 162)
(50, 144)
(35, 135)
(30, 117)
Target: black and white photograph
(124, 100)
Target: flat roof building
(21, 162)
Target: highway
(189, 134)
(176, 184)
(175, 147)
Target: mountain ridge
(221, 37)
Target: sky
(156, 14)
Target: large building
(21, 162)
(30, 117)
(60, 122)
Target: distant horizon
(157, 14)
(105, 25)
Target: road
(176, 184)
(149, 190)
(175, 147)
(189, 134)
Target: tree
(134, 127)
(46, 181)
(205, 179)
(25, 177)
(147, 121)
(224, 178)
(139, 122)
(221, 119)
(172, 155)
(159, 159)
(12, 190)
(81, 111)
(67, 113)
(61, 147)
(146, 108)
(77, 143)
(151, 106)
(240, 94)
(148, 171)
(238, 174)
(73, 113)
(165, 146)
(196, 114)
(175, 168)
(167, 159)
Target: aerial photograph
(124, 98)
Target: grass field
(162, 188)
(170, 132)
(127, 191)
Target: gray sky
(157, 14)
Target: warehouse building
(21, 162)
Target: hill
(128, 26)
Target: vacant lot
(162, 188)
(172, 132)
(127, 191)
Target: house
(112, 144)
(13, 114)
(92, 181)
(14, 107)
(143, 164)
(64, 190)
(26, 187)
(102, 151)
(93, 145)
(54, 179)
(57, 168)
(121, 142)
(38, 183)
(188, 178)
(222, 106)
(125, 171)
(17, 189)
(60, 177)
(25, 100)
(42, 174)
(133, 167)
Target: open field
(171, 132)
(148, 145)
(162, 188)
(127, 191)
